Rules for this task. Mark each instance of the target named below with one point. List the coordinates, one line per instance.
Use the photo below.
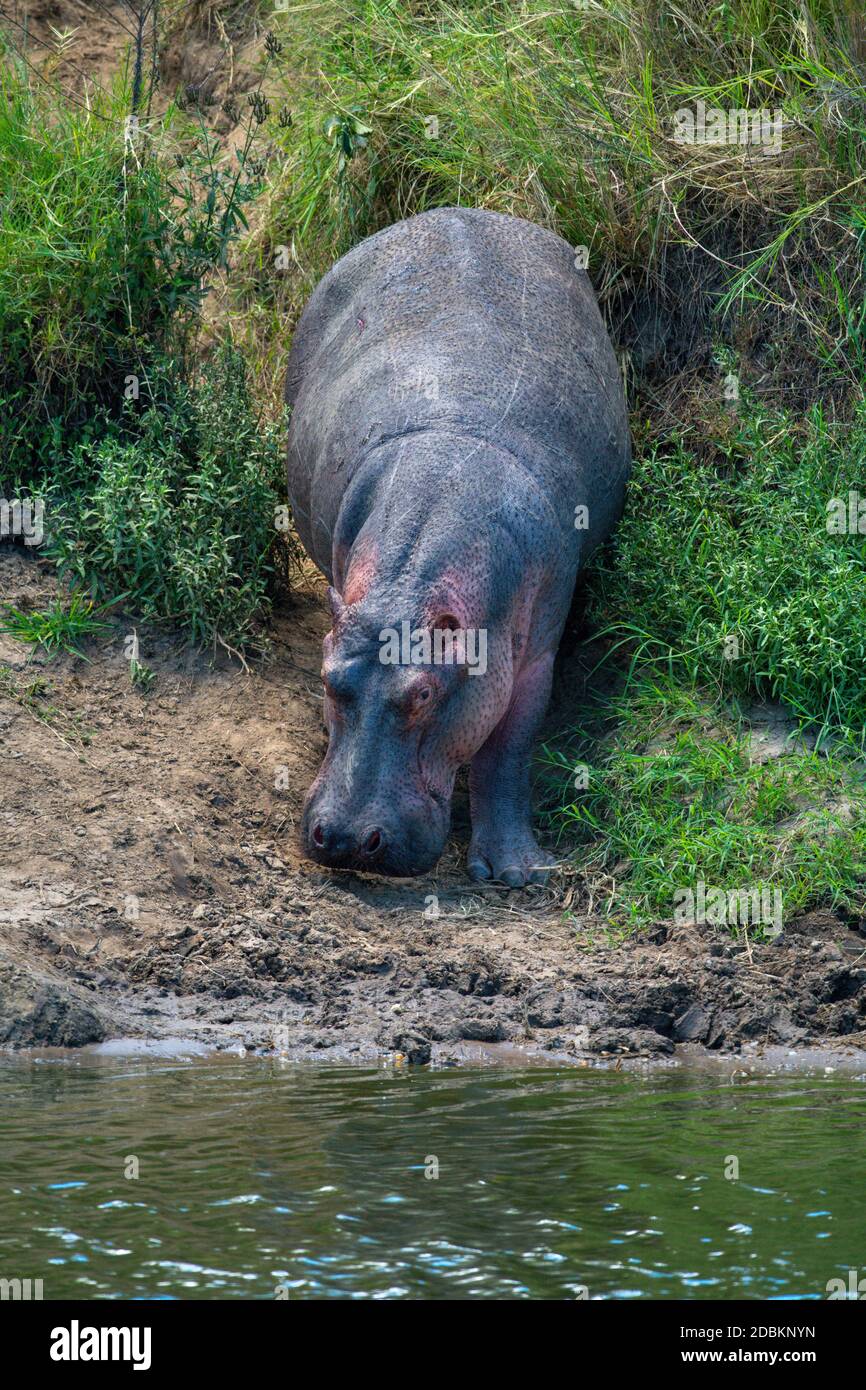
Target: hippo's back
(464, 321)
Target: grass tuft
(60, 627)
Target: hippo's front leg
(503, 846)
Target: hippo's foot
(509, 855)
(503, 846)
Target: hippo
(458, 446)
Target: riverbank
(151, 886)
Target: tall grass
(565, 114)
(107, 234)
(729, 569)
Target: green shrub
(161, 487)
(179, 512)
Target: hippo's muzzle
(397, 841)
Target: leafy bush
(180, 511)
(108, 234)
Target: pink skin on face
(423, 724)
(363, 569)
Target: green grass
(105, 245)
(160, 479)
(723, 569)
(663, 792)
(565, 115)
(63, 626)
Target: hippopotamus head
(403, 712)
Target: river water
(261, 1178)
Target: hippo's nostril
(332, 843)
(373, 842)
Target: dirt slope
(150, 885)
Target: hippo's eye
(420, 699)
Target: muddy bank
(150, 886)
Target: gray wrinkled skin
(455, 399)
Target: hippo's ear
(336, 605)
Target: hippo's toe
(514, 859)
